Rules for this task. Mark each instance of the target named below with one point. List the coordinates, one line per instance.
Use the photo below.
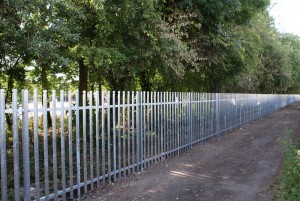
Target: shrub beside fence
(99, 137)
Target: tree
(12, 47)
(191, 45)
(208, 31)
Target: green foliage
(190, 45)
(289, 183)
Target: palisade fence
(60, 147)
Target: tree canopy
(170, 45)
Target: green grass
(287, 187)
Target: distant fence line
(108, 135)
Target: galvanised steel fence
(60, 147)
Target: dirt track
(238, 166)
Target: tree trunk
(82, 86)
(100, 87)
(144, 81)
(83, 77)
(8, 98)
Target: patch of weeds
(287, 187)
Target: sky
(287, 15)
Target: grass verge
(287, 187)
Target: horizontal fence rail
(58, 147)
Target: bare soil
(240, 165)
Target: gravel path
(238, 166)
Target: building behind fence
(100, 137)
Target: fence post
(25, 143)
(54, 144)
(3, 146)
(70, 116)
(77, 143)
(36, 147)
(139, 124)
(218, 112)
(191, 121)
(45, 130)
(16, 145)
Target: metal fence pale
(99, 137)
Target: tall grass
(288, 184)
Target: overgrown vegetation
(174, 45)
(288, 184)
